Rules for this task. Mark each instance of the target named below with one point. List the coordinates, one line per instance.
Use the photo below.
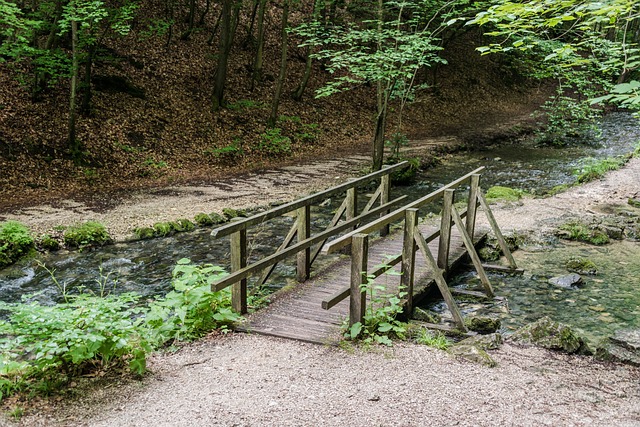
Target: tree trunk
(299, 92)
(223, 56)
(283, 66)
(74, 146)
(256, 76)
(205, 12)
(191, 18)
(378, 139)
(85, 107)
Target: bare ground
(247, 380)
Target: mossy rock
(15, 242)
(234, 213)
(507, 194)
(484, 342)
(48, 243)
(427, 316)
(552, 335)
(482, 325)
(163, 229)
(576, 230)
(581, 266)
(623, 347)
(144, 233)
(217, 218)
(185, 224)
(488, 253)
(473, 354)
(404, 177)
(203, 220)
(90, 233)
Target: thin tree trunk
(74, 146)
(299, 92)
(85, 107)
(223, 56)
(205, 12)
(256, 76)
(283, 66)
(381, 118)
(191, 18)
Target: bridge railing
(414, 241)
(301, 231)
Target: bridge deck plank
(297, 314)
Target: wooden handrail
(244, 272)
(345, 240)
(291, 206)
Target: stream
(606, 302)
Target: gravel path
(245, 380)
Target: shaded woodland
(124, 94)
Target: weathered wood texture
(298, 314)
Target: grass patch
(596, 169)
(498, 193)
(581, 232)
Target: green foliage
(234, 213)
(185, 224)
(51, 344)
(228, 153)
(163, 229)
(433, 339)
(503, 193)
(626, 95)
(155, 164)
(191, 309)
(397, 141)
(380, 324)
(272, 143)
(566, 119)
(15, 242)
(596, 169)
(90, 233)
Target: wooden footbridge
(421, 255)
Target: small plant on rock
(433, 339)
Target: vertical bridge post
(304, 232)
(445, 231)
(359, 265)
(385, 187)
(472, 205)
(409, 256)
(238, 261)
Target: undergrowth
(44, 347)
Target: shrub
(191, 309)
(15, 242)
(51, 344)
(88, 234)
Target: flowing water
(145, 266)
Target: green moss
(163, 229)
(488, 253)
(48, 243)
(426, 315)
(185, 224)
(581, 266)
(503, 193)
(482, 325)
(143, 233)
(15, 242)
(581, 232)
(90, 233)
(234, 213)
(552, 335)
(203, 220)
(217, 218)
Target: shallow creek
(606, 301)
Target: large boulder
(552, 335)
(623, 347)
